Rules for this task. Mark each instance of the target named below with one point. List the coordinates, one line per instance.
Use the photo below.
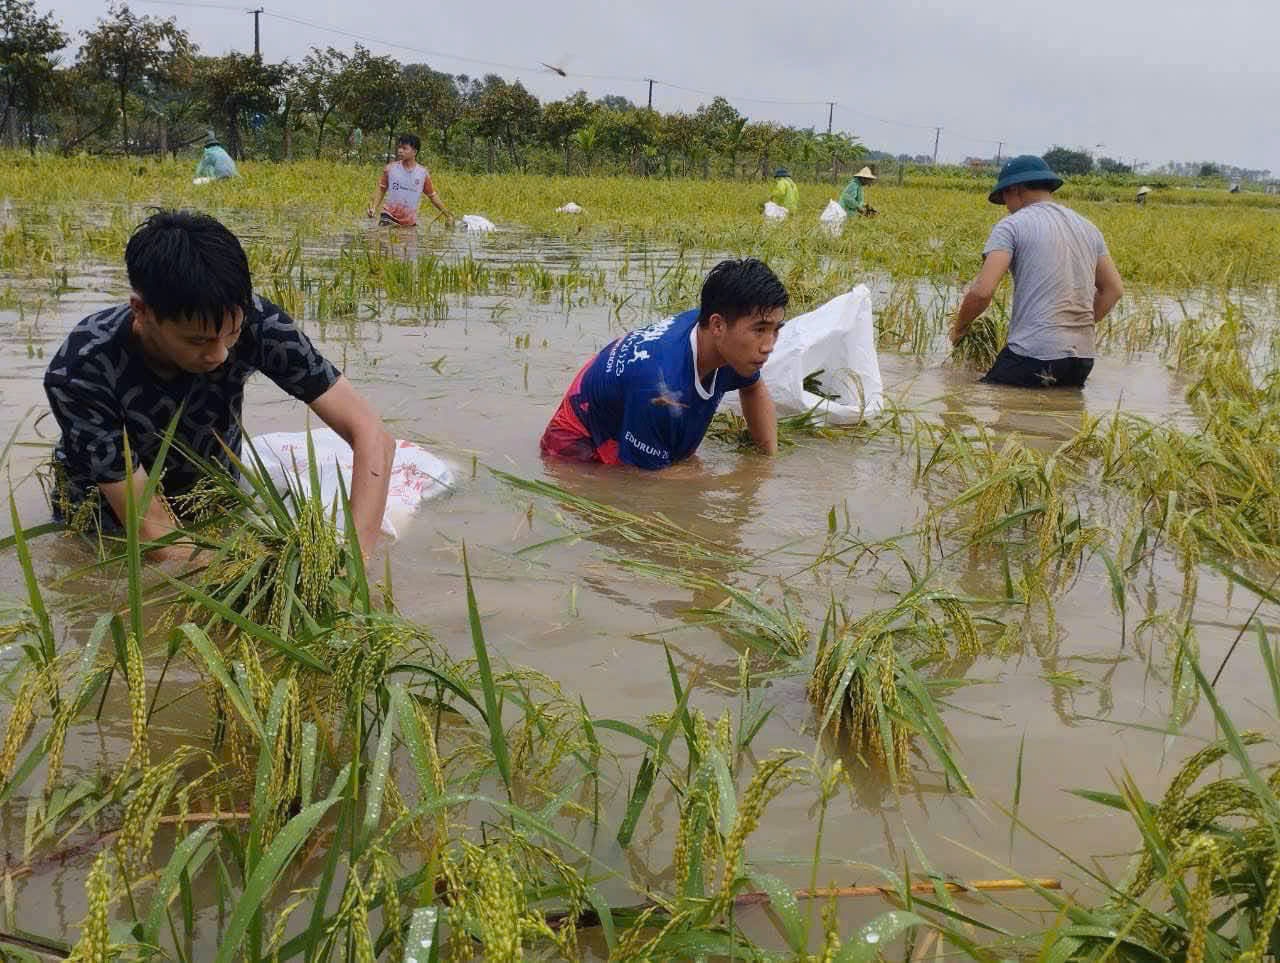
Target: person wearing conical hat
(785, 192)
(1143, 191)
(215, 163)
(851, 198)
(1064, 282)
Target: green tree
(434, 101)
(631, 135)
(839, 149)
(28, 56)
(237, 83)
(135, 54)
(1065, 161)
(562, 120)
(680, 133)
(507, 114)
(1209, 170)
(587, 140)
(1109, 165)
(764, 140)
(615, 102)
(321, 77)
(720, 128)
(373, 92)
(83, 107)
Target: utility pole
(937, 135)
(831, 113)
(999, 153)
(650, 79)
(257, 31)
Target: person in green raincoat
(785, 193)
(851, 198)
(215, 163)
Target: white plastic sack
(570, 208)
(416, 474)
(775, 212)
(198, 181)
(839, 340)
(833, 213)
(474, 222)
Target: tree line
(139, 85)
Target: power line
(365, 38)
(528, 69)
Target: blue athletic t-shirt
(642, 392)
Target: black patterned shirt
(99, 386)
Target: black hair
(410, 139)
(186, 265)
(735, 288)
(1049, 186)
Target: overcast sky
(1152, 80)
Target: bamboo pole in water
(591, 918)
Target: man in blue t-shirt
(647, 399)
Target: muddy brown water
(599, 630)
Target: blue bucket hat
(782, 172)
(1025, 169)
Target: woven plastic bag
(416, 474)
(833, 348)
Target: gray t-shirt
(1055, 260)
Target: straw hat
(1143, 190)
(866, 172)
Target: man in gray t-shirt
(1064, 281)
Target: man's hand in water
(369, 212)
(958, 329)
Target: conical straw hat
(1144, 190)
(866, 172)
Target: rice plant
(867, 685)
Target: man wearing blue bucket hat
(1064, 281)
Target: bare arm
(1108, 287)
(978, 295)
(379, 193)
(347, 412)
(434, 198)
(762, 417)
(157, 519)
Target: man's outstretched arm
(978, 295)
(155, 521)
(348, 413)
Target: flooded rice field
(1076, 683)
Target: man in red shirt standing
(402, 184)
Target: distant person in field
(215, 163)
(189, 337)
(785, 192)
(647, 399)
(1142, 195)
(1064, 282)
(852, 199)
(402, 185)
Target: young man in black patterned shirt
(190, 336)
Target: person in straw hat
(851, 198)
(1143, 191)
(1064, 282)
(215, 163)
